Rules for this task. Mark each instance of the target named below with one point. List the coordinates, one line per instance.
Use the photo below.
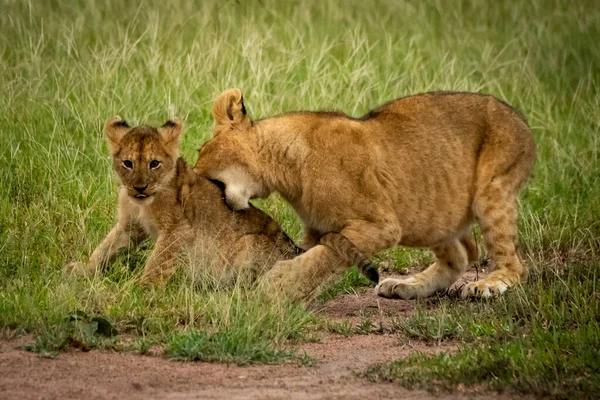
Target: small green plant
(80, 331)
(429, 326)
(365, 326)
(223, 346)
(142, 345)
(307, 361)
(340, 327)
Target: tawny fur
(183, 212)
(418, 171)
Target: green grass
(67, 66)
(238, 325)
(352, 282)
(544, 338)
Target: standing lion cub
(417, 171)
(161, 197)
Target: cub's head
(231, 155)
(144, 157)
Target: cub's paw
(397, 288)
(153, 279)
(281, 270)
(292, 280)
(280, 281)
(483, 289)
(77, 268)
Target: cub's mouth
(221, 187)
(218, 184)
(232, 203)
(140, 196)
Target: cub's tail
(349, 252)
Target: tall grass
(67, 66)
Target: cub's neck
(281, 148)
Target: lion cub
(161, 197)
(417, 171)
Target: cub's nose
(140, 189)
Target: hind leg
(505, 163)
(497, 216)
(305, 275)
(452, 259)
(255, 254)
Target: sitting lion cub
(162, 198)
(417, 171)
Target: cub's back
(206, 211)
(441, 130)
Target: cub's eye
(127, 164)
(154, 164)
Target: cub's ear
(114, 129)
(170, 133)
(229, 111)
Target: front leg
(346, 249)
(161, 263)
(116, 239)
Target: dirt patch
(108, 375)
(102, 375)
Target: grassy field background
(67, 66)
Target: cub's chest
(156, 218)
(148, 222)
(144, 216)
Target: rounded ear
(170, 133)
(229, 110)
(114, 129)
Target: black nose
(140, 189)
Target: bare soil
(335, 375)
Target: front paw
(288, 280)
(483, 289)
(77, 268)
(396, 288)
(153, 278)
(276, 277)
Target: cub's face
(143, 157)
(224, 159)
(229, 157)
